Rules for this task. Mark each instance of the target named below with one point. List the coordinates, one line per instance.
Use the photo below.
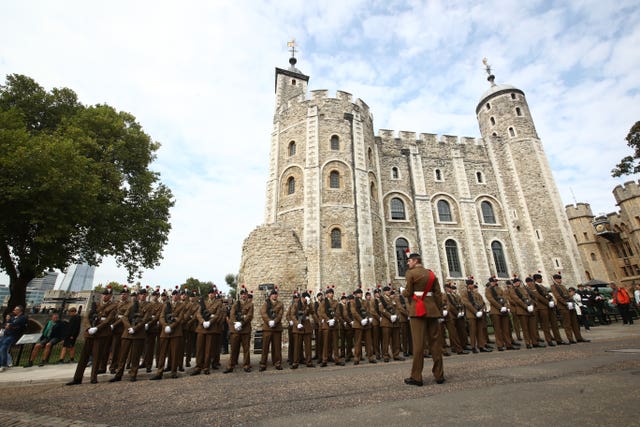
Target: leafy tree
(191, 284)
(117, 287)
(232, 281)
(75, 185)
(629, 164)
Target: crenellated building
(344, 204)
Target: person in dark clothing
(71, 334)
(52, 334)
(13, 329)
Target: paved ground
(592, 384)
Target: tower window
(334, 179)
(494, 134)
(499, 260)
(593, 256)
(370, 157)
(488, 106)
(444, 211)
(492, 120)
(438, 175)
(397, 209)
(395, 174)
(512, 132)
(292, 148)
(293, 82)
(518, 112)
(336, 238)
(291, 185)
(538, 234)
(479, 177)
(453, 261)
(401, 256)
(372, 190)
(513, 96)
(335, 142)
(488, 217)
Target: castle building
(609, 244)
(344, 205)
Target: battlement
(578, 210)
(426, 138)
(629, 190)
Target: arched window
(401, 256)
(395, 175)
(334, 179)
(444, 211)
(370, 157)
(499, 260)
(493, 121)
(453, 261)
(488, 216)
(512, 132)
(518, 112)
(397, 209)
(438, 175)
(291, 185)
(335, 142)
(593, 257)
(372, 191)
(292, 148)
(479, 177)
(336, 238)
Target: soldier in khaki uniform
(96, 337)
(171, 338)
(374, 309)
(455, 320)
(209, 318)
(566, 305)
(117, 329)
(153, 333)
(302, 329)
(240, 319)
(191, 324)
(317, 334)
(474, 308)
(524, 309)
(362, 328)
(272, 312)
(405, 331)
(390, 325)
(329, 317)
(424, 302)
(346, 330)
(135, 321)
(499, 313)
(545, 307)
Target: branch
(10, 268)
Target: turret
(290, 83)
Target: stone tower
(581, 220)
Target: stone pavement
(589, 384)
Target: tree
(202, 287)
(117, 287)
(75, 185)
(628, 165)
(232, 281)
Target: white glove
(237, 326)
(102, 319)
(503, 309)
(440, 319)
(479, 314)
(308, 300)
(445, 313)
(570, 306)
(460, 314)
(487, 310)
(206, 324)
(92, 330)
(272, 323)
(331, 322)
(552, 304)
(370, 320)
(530, 308)
(394, 317)
(364, 321)
(146, 326)
(290, 322)
(401, 289)
(351, 323)
(300, 326)
(167, 329)
(131, 331)
(111, 327)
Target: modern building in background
(344, 205)
(79, 277)
(45, 283)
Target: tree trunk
(18, 293)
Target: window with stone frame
(335, 143)
(453, 260)
(444, 211)
(499, 259)
(437, 174)
(397, 209)
(291, 185)
(488, 216)
(479, 177)
(292, 148)
(401, 256)
(336, 238)
(395, 174)
(334, 179)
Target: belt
(420, 293)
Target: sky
(199, 77)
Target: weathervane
(292, 45)
(487, 68)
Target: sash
(421, 310)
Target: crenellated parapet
(578, 210)
(427, 139)
(629, 190)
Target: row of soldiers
(154, 325)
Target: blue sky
(199, 77)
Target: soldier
(156, 309)
(362, 328)
(374, 309)
(474, 309)
(524, 309)
(171, 336)
(191, 326)
(240, 319)
(96, 337)
(209, 320)
(316, 326)
(567, 310)
(424, 299)
(346, 331)
(499, 313)
(545, 308)
(405, 331)
(135, 322)
(329, 326)
(117, 328)
(272, 312)
(390, 325)
(302, 330)
(454, 319)
(514, 325)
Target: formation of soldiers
(148, 328)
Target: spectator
(52, 334)
(599, 304)
(622, 300)
(71, 334)
(13, 330)
(636, 295)
(580, 308)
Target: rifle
(238, 311)
(133, 314)
(327, 308)
(204, 312)
(300, 312)
(270, 312)
(93, 314)
(168, 313)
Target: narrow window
(493, 121)
(372, 190)
(335, 142)
(334, 179)
(513, 96)
(512, 132)
(586, 237)
(292, 148)
(518, 112)
(494, 134)
(370, 157)
(438, 175)
(397, 209)
(499, 260)
(401, 256)
(488, 216)
(588, 275)
(479, 177)
(593, 256)
(488, 106)
(293, 82)
(291, 185)
(396, 175)
(453, 261)
(444, 211)
(538, 235)
(336, 239)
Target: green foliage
(117, 287)
(75, 185)
(629, 164)
(232, 281)
(202, 287)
